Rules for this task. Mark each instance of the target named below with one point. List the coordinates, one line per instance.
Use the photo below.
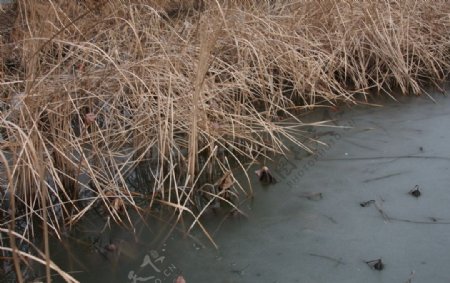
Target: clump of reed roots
(128, 104)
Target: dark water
(293, 234)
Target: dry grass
(93, 92)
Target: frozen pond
(293, 234)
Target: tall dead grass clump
(118, 103)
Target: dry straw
(128, 104)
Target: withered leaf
(226, 181)
(265, 175)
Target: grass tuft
(121, 105)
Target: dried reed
(94, 92)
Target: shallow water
(293, 235)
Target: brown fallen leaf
(180, 279)
(265, 175)
(111, 247)
(226, 181)
(118, 204)
(89, 118)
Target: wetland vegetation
(120, 106)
